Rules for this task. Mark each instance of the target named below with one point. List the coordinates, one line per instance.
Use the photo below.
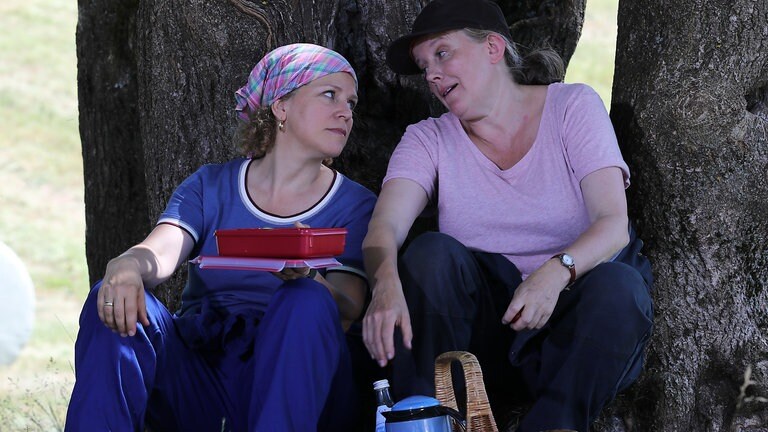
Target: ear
(279, 109)
(497, 47)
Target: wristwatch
(567, 262)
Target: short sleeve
(185, 208)
(360, 209)
(416, 157)
(588, 135)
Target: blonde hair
(540, 66)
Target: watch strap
(571, 268)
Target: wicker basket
(479, 415)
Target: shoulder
(570, 94)
(433, 132)
(433, 125)
(352, 202)
(355, 189)
(217, 170)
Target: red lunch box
(281, 242)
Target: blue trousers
(294, 374)
(591, 348)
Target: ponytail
(539, 67)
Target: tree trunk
(689, 107)
(547, 23)
(115, 193)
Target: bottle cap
(381, 384)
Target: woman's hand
(121, 301)
(387, 310)
(292, 273)
(536, 297)
(121, 297)
(398, 205)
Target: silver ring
(108, 303)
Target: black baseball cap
(443, 15)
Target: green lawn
(592, 63)
(41, 187)
(41, 191)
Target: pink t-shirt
(528, 212)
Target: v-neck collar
(525, 160)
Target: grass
(592, 63)
(41, 187)
(41, 195)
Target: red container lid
(279, 232)
(281, 242)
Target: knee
(94, 291)
(306, 300)
(91, 302)
(430, 247)
(431, 258)
(617, 287)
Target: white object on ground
(17, 305)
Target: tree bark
(689, 107)
(115, 193)
(548, 23)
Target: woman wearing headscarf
(248, 350)
(535, 267)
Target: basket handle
(479, 415)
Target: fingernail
(382, 363)
(389, 356)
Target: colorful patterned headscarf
(285, 69)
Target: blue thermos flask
(422, 414)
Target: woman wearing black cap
(536, 268)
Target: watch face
(567, 260)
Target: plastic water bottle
(383, 402)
